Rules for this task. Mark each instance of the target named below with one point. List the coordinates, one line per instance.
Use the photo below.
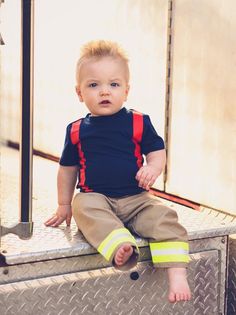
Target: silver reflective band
(161, 252)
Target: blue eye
(92, 84)
(114, 84)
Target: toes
(126, 248)
(177, 297)
(172, 297)
(183, 297)
(119, 256)
(188, 297)
(118, 259)
(122, 250)
(123, 254)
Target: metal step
(58, 272)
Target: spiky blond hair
(99, 49)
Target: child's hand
(63, 213)
(146, 176)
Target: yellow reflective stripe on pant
(113, 240)
(165, 252)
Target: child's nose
(104, 91)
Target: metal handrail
(24, 228)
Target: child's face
(103, 85)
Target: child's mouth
(105, 102)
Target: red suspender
(137, 136)
(74, 133)
(75, 139)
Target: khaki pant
(104, 222)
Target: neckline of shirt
(120, 113)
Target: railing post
(24, 228)
(26, 142)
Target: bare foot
(123, 254)
(178, 285)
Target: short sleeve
(69, 155)
(151, 141)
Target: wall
(202, 148)
(202, 112)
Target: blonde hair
(99, 49)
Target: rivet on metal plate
(134, 275)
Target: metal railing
(24, 228)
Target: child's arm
(66, 180)
(147, 174)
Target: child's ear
(78, 92)
(127, 91)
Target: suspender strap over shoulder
(137, 126)
(74, 133)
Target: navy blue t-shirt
(106, 153)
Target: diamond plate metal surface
(231, 289)
(35, 270)
(221, 244)
(108, 291)
(52, 267)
